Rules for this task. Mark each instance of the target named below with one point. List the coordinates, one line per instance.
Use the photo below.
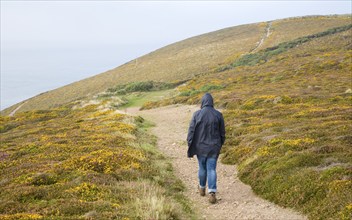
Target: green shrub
(144, 86)
(185, 93)
(139, 86)
(44, 179)
(203, 89)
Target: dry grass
(292, 28)
(186, 59)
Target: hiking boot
(212, 198)
(201, 191)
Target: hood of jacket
(207, 100)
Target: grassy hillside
(288, 115)
(292, 28)
(287, 106)
(185, 59)
(84, 161)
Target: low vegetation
(85, 162)
(145, 86)
(288, 118)
(136, 94)
(289, 123)
(264, 55)
(188, 58)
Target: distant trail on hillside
(264, 37)
(236, 200)
(15, 110)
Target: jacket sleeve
(191, 129)
(222, 129)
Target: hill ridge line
(186, 58)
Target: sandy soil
(235, 199)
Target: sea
(31, 71)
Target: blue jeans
(207, 169)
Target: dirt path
(236, 200)
(264, 37)
(16, 109)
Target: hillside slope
(85, 162)
(185, 59)
(286, 99)
(288, 112)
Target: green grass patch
(138, 99)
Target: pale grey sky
(47, 44)
(86, 23)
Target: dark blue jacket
(206, 133)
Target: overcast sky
(94, 23)
(48, 44)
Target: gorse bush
(83, 163)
